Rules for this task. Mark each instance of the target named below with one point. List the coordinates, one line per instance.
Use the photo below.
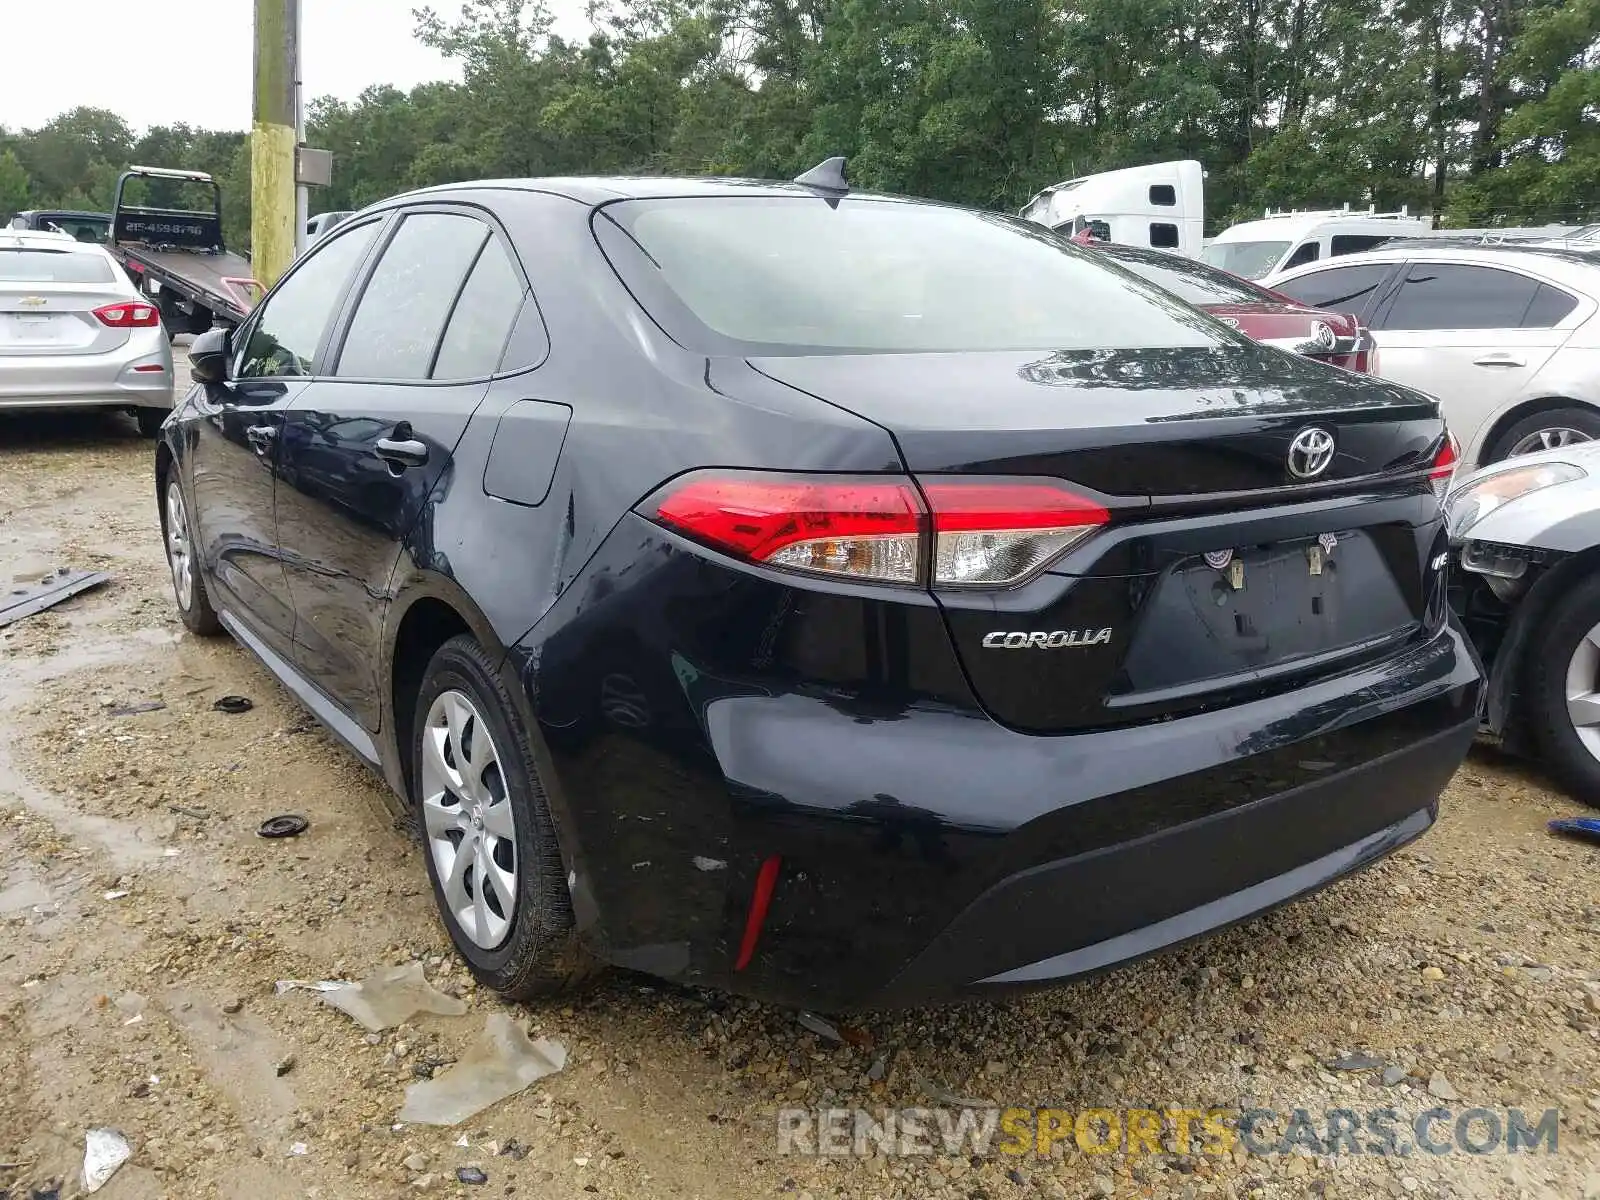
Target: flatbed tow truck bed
(177, 256)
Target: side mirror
(208, 356)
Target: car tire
(484, 800)
(183, 565)
(1563, 667)
(1545, 431)
(150, 420)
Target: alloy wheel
(1548, 439)
(468, 820)
(1583, 698)
(180, 556)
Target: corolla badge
(1310, 453)
(1060, 639)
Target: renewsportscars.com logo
(1384, 1132)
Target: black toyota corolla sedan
(840, 599)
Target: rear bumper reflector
(760, 900)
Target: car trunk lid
(56, 318)
(1220, 573)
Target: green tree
(15, 186)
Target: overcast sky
(158, 62)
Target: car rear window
(807, 275)
(54, 266)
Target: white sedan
(1507, 338)
(75, 334)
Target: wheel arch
(1509, 667)
(426, 612)
(1521, 410)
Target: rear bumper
(972, 859)
(928, 852)
(91, 380)
(1080, 915)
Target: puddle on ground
(119, 839)
(25, 894)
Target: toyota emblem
(1323, 337)
(1310, 453)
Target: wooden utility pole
(273, 139)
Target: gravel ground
(143, 924)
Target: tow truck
(176, 256)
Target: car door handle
(1500, 360)
(261, 438)
(403, 452)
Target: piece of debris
(462, 1142)
(820, 1027)
(471, 1175)
(934, 1092)
(286, 826)
(1393, 1075)
(183, 810)
(104, 1150)
(1441, 1088)
(117, 895)
(415, 1162)
(29, 598)
(501, 1063)
(233, 705)
(1586, 829)
(232, 1004)
(1356, 1062)
(879, 1066)
(133, 710)
(310, 985)
(702, 863)
(390, 995)
(284, 1065)
(299, 1149)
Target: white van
(1161, 205)
(1282, 241)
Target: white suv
(1506, 338)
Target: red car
(1265, 315)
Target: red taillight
(128, 314)
(1444, 465)
(984, 533)
(867, 528)
(991, 534)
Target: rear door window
(476, 336)
(1342, 289)
(398, 323)
(284, 338)
(1450, 296)
(1548, 307)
